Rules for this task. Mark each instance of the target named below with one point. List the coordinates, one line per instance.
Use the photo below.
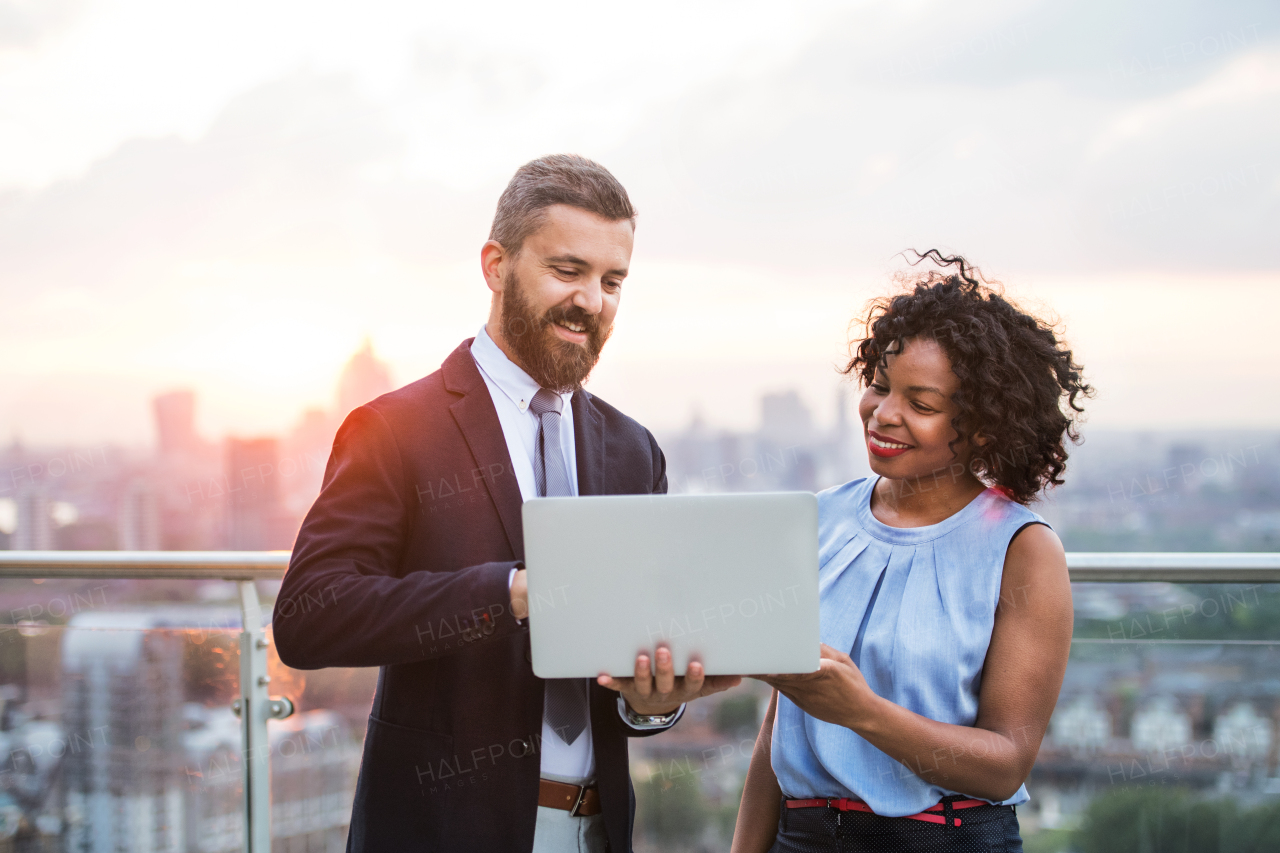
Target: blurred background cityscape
(223, 226)
(116, 696)
(1127, 490)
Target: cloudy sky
(232, 196)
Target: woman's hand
(836, 693)
(1021, 677)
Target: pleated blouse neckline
(918, 535)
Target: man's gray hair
(556, 179)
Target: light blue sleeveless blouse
(914, 607)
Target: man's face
(555, 301)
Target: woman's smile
(885, 447)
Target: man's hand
(660, 691)
(520, 595)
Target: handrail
(1174, 567)
(158, 565)
(1085, 566)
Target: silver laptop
(729, 579)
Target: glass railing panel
(1169, 709)
(1151, 734)
(116, 725)
(1164, 737)
(213, 749)
(688, 781)
(315, 754)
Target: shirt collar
(505, 373)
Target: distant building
(86, 534)
(306, 450)
(122, 697)
(314, 433)
(142, 769)
(1082, 724)
(363, 378)
(138, 518)
(1160, 725)
(256, 519)
(313, 769)
(785, 419)
(34, 530)
(176, 422)
(1243, 732)
(788, 453)
(313, 764)
(214, 799)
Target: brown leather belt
(575, 799)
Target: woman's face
(906, 415)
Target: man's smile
(572, 332)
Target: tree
(1160, 819)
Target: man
(410, 559)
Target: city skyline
(1143, 369)
(183, 490)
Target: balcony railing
(255, 705)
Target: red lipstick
(875, 442)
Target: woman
(945, 602)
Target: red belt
(929, 815)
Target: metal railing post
(254, 713)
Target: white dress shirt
(512, 390)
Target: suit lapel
(588, 435)
(478, 420)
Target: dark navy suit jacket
(403, 564)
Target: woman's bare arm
(758, 812)
(1021, 678)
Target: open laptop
(731, 580)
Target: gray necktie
(565, 702)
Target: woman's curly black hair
(1015, 375)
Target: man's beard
(551, 361)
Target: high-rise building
(122, 697)
(305, 451)
(313, 764)
(34, 529)
(363, 378)
(785, 419)
(253, 494)
(176, 422)
(138, 518)
(143, 770)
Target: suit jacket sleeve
(659, 466)
(344, 602)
